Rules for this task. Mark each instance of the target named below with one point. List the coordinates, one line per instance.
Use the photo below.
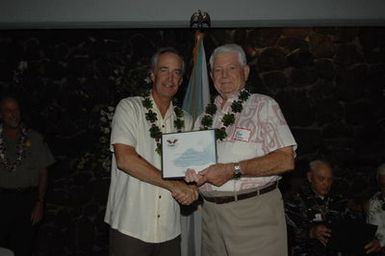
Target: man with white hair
(313, 213)
(309, 211)
(243, 211)
(376, 212)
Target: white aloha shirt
(136, 208)
(376, 216)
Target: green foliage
(130, 80)
(207, 121)
(151, 116)
(228, 119)
(220, 133)
(211, 109)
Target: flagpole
(198, 94)
(199, 36)
(196, 98)
(198, 40)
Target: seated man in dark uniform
(24, 158)
(310, 212)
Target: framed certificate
(187, 150)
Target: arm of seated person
(373, 246)
(321, 233)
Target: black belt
(228, 199)
(17, 190)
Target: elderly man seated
(312, 213)
(376, 213)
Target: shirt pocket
(244, 150)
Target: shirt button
(158, 216)
(160, 197)
(163, 126)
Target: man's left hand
(192, 177)
(37, 212)
(218, 174)
(372, 246)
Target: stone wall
(329, 82)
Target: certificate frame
(180, 151)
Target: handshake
(186, 192)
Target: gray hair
(381, 170)
(229, 48)
(155, 57)
(316, 163)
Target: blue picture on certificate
(188, 150)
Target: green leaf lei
(228, 119)
(152, 117)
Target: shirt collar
(219, 100)
(170, 111)
(318, 195)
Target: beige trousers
(251, 227)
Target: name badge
(242, 134)
(318, 217)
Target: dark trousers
(16, 230)
(123, 245)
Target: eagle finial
(198, 19)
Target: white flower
(23, 65)
(147, 80)
(107, 163)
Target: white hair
(316, 163)
(229, 48)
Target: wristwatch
(237, 171)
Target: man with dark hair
(142, 208)
(24, 158)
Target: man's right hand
(321, 233)
(373, 246)
(185, 194)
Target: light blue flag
(198, 93)
(196, 98)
